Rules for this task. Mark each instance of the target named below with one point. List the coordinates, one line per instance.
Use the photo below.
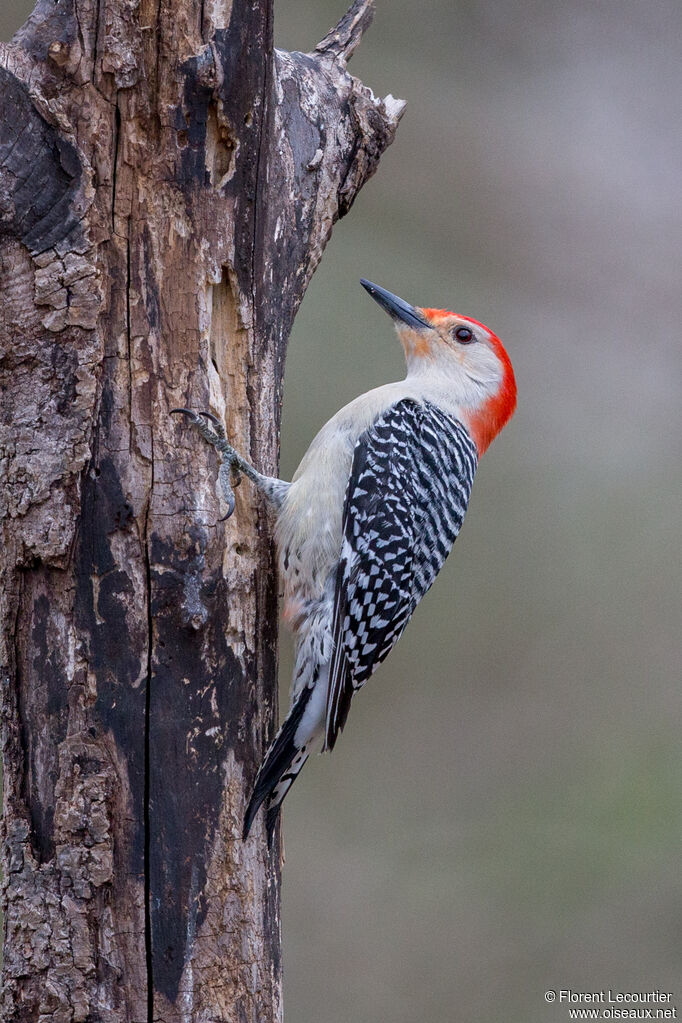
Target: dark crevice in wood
(94, 48)
(129, 342)
(81, 37)
(260, 162)
(149, 951)
(22, 722)
(158, 48)
(117, 140)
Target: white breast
(309, 523)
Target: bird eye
(464, 335)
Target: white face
(454, 347)
(455, 359)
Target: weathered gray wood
(168, 183)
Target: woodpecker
(369, 518)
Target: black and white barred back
(406, 498)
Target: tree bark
(168, 182)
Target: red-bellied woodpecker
(369, 518)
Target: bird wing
(406, 498)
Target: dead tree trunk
(168, 182)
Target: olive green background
(502, 813)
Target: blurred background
(502, 814)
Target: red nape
(485, 423)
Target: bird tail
(279, 770)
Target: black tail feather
(277, 760)
(271, 818)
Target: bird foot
(214, 434)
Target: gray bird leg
(233, 464)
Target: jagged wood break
(168, 182)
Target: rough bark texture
(167, 185)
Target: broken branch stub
(343, 39)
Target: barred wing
(406, 497)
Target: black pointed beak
(396, 308)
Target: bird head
(466, 359)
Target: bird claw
(224, 479)
(217, 438)
(185, 412)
